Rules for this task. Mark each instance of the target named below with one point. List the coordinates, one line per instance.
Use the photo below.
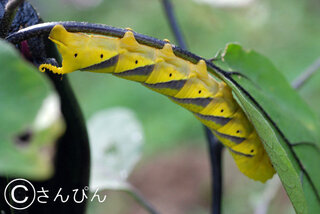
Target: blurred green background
(286, 31)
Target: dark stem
(45, 28)
(215, 147)
(9, 13)
(215, 150)
(173, 23)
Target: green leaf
(30, 120)
(281, 118)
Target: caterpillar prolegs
(185, 83)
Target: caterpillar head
(78, 50)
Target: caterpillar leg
(54, 69)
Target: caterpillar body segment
(185, 83)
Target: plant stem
(215, 151)
(215, 147)
(133, 192)
(9, 13)
(173, 23)
(306, 75)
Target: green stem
(138, 197)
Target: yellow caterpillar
(185, 83)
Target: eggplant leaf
(288, 128)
